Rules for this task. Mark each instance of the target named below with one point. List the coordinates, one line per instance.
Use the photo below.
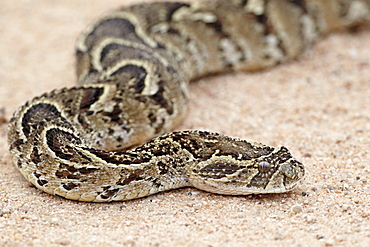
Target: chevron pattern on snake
(133, 67)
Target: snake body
(133, 69)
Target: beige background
(318, 107)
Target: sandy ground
(317, 106)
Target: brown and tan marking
(133, 69)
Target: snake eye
(264, 166)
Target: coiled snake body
(133, 68)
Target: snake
(111, 138)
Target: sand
(317, 106)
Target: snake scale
(133, 69)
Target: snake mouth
(242, 190)
(283, 189)
(292, 185)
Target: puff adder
(133, 69)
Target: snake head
(274, 172)
(277, 172)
